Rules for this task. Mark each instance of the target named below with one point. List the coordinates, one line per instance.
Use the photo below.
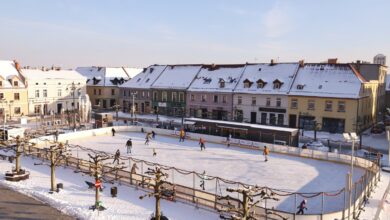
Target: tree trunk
(17, 163)
(157, 215)
(53, 177)
(245, 206)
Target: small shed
(103, 120)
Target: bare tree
(251, 196)
(159, 190)
(57, 153)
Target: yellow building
(333, 98)
(13, 91)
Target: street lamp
(72, 87)
(116, 107)
(3, 101)
(133, 107)
(183, 111)
(350, 137)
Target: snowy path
(75, 199)
(243, 165)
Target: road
(14, 205)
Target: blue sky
(74, 33)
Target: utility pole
(133, 107)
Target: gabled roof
(176, 77)
(210, 77)
(8, 71)
(328, 80)
(283, 72)
(104, 76)
(145, 78)
(37, 74)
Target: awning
(189, 122)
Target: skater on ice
(129, 145)
(147, 138)
(302, 207)
(154, 152)
(265, 153)
(153, 135)
(113, 132)
(228, 140)
(202, 181)
(116, 156)
(202, 144)
(182, 135)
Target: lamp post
(183, 111)
(116, 107)
(133, 94)
(3, 101)
(351, 137)
(72, 87)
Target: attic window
(151, 70)
(59, 83)
(259, 69)
(221, 83)
(320, 87)
(138, 79)
(261, 83)
(206, 80)
(277, 84)
(300, 86)
(147, 80)
(87, 80)
(16, 83)
(247, 83)
(38, 83)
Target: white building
(56, 91)
(380, 59)
(261, 93)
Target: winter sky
(72, 33)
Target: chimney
(301, 63)
(17, 65)
(332, 61)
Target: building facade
(333, 98)
(56, 91)
(170, 89)
(138, 91)
(210, 95)
(13, 91)
(260, 96)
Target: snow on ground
(75, 199)
(242, 165)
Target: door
(45, 109)
(292, 123)
(253, 117)
(104, 104)
(59, 108)
(142, 107)
(263, 118)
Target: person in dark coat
(302, 207)
(153, 134)
(147, 139)
(129, 145)
(116, 156)
(113, 132)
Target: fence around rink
(322, 205)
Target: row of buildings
(327, 96)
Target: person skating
(153, 135)
(147, 139)
(202, 181)
(113, 132)
(302, 207)
(182, 135)
(154, 152)
(116, 156)
(56, 134)
(202, 144)
(129, 145)
(228, 140)
(265, 153)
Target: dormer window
(260, 84)
(138, 79)
(221, 83)
(247, 83)
(206, 80)
(1, 83)
(277, 84)
(16, 83)
(147, 80)
(300, 86)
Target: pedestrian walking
(154, 152)
(202, 143)
(56, 134)
(203, 178)
(265, 153)
(129, 145)
(153, 135)
(228, 140)
(182, 135)
(116, 156)
(113, 132)
(302, 207)
(147, 139)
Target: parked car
(317, 145)
(378, 128)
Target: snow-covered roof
(131, 72)
(267, 75)
(37, 74)
(103, 76)
(144, 79)
(8, 71)
(217, 78)
(243, 124)
(176, 77)
(327, 80)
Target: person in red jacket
(202, 143)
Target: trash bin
(60, 186)
(11, 159)
(114, 191)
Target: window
(45, 93)
(100, 92)
(79, 92)
(328, 106)
(112, 91)
(260, 85)
(174, 96)
(164, 96)
(204, 98)
(16, 83)
(239, 100)
(300, 87)
(280, 119)
(147, 94)
(36, 93)
(268, 102)
(253, 100)
(124, 93)
(181, 97)
(59, 93)
(341, 106)
(97, 102)
(310, 105)
(155, 96)
(17, 110)
(247, 83)
(1, 95)
(278, 102)
(37, 109)
(276, 85)
(1, 83)
(294, 103)
(16, 96)
(224, 99)
(215, 98)
(94, 91)
(221, 83)
(192, 97)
